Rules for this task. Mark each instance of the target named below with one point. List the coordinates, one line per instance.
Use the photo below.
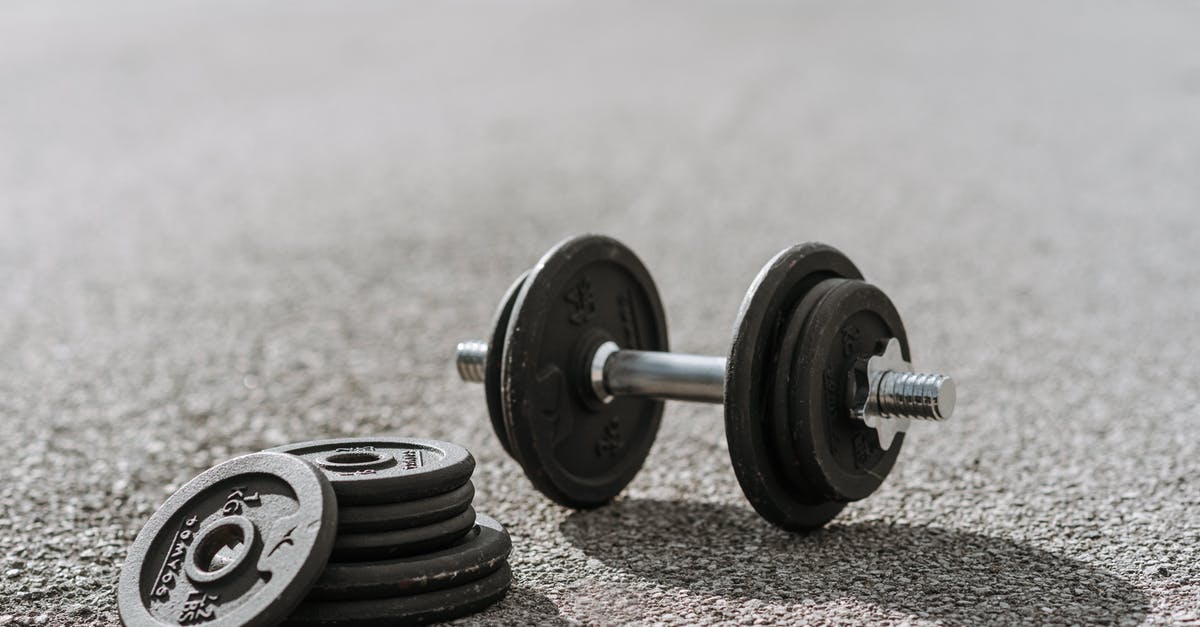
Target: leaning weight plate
(753, 357)
(405, 514)
(479, 553)
(413, 609)
(371, 471)
(238, 545)
(576, 449)
(352, 547)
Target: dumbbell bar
(817, 387)
(701, 378)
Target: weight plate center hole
(220, 549)
(356, 460)
(353, 458)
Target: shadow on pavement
(926, 572)
(521, 606)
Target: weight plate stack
(409, 547)
(334, 532)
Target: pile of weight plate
(336, 532)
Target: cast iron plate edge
(405, 514)
(495, 358)
(351, 547)
(437, 605)
(477, 554)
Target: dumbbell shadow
(927, 572)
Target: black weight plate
(753, 357)
(495, 357)
(356, 547)
(780, 419)
(373, 471)
(574, 448)
(238, 545)
(841, 456)
(405, 514)
(479, 553)
(413, 609)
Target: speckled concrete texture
(230, 225)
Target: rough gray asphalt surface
(229, 225)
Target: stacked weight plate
(334, 532)
(409, 546)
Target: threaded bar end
(916, 395)
(471, 359)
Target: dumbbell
(818, 386)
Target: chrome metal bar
(895, 395)
(669, 376)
